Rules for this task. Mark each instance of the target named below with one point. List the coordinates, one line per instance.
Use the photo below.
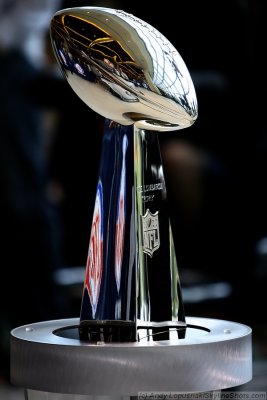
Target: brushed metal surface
(217, 358)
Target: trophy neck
(131, 275)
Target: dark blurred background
(215, 170)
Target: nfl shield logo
(151, 240)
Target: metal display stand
(51, 363)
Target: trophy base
(118, 331)
(48, 357)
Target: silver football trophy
(128, 72)
(132, 335)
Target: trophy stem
(131, 282)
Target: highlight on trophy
(127, 71)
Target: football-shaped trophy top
(123, 68)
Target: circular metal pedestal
(47, 357)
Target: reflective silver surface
(123, 68)
(155, 282)
(214, 355)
